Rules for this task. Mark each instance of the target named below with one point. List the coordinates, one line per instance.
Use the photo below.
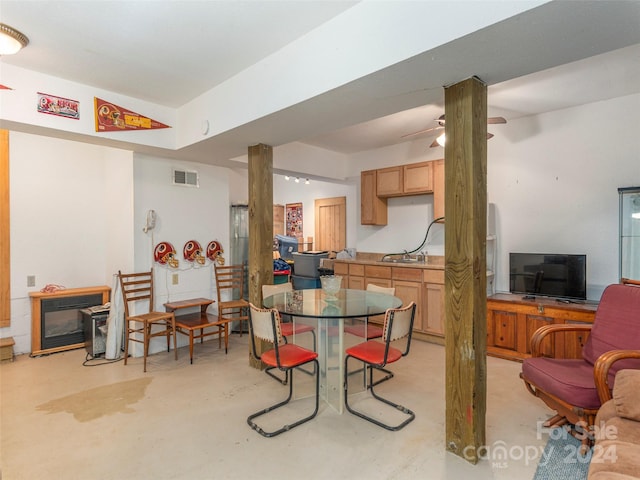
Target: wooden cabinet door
(278, 219)
(411, 292)
(433, 319)
(501, 330)
(373, 210)
(389, 182)
(438, 188)
(418, 178)
(356, 283)
(534, 322)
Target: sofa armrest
(540, 334)
(603, 365)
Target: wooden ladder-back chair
(137, 292)
(287, 327)
(398, 325)
(576, 388)
(264, 324)
(232, 306)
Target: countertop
(434, 262)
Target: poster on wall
(61, 107)
(294, 219)
(113, 118)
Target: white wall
(77, 212)
(554, 180)
(69, 219)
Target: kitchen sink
(402, 260)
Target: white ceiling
(170, 52)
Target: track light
(307, 182)
(297, 179)
(286, 177)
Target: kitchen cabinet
(403, 180)
(438, 188)
(399, 181)
(433, 302)
(421, 284)
(278, 220)
(373, 209)
(389, 182)
(511, 321)
(417, 178)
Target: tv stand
(512, 319)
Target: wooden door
(331, 224)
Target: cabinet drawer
(341, 268)
(433, 276)
(355, 269)
(410, 274)
(373, 271)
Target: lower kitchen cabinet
(424, 286)
(511, 322)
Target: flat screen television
(549, 275)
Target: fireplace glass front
(62, 321)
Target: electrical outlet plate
(31, 280)
(174, 279)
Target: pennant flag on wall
(4, 87)
(112, 118)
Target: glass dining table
(328, 314)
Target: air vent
(185, 178)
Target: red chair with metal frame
(264, 324)
(398, 326)
(369, 331)
(287, 327)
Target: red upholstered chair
(397, 327)
(287, 327)
(575, 388)
(264, 324)
(369, 330)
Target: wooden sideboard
(511, 321)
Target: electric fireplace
(56, 322)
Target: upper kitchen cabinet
(389, 182)
(418, 178)
(412, 179)
(399, 181)
(438, 188)
(373, 209)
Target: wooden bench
(194, 324)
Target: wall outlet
(174, 279)
(31, 280)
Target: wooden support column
(465, 271)
(5, 257)
(260, 227)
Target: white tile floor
(63, 420)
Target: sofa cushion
(626, 394)
(564, 378)
(614, 459)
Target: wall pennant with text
(112, 118)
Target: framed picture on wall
(294, 219)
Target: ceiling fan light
(11, 40)
(441, 139)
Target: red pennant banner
(112, 118)
(4, 87)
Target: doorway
(331, 224)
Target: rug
(561, 458)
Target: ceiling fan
(440, 140)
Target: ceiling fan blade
(489, 135)
(434, 144)
(426, 130)
(496, 120)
